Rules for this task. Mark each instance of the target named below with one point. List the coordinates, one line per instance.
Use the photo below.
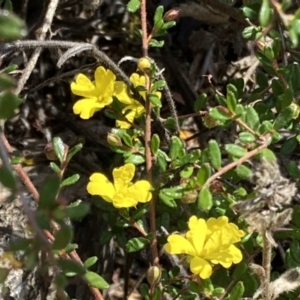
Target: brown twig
(148, 154)
(43, 31)
(237, 162)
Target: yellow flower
(133, 108)
(96, 95)
(206, 243)
(122, 192)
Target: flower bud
(114, 140)
(144, 64)
(153, 275)
(172, 15)
(50, 153)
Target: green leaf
(95, 280)
(267, 154)
(8, 101)
(169, 201)
(159, 84)
(277, 87)
(126, 138)
(262, 80)
(218, 115)
(59, 148)
(135, 159)
(239, 270)
(155, 100)
(138, 213)
(284, 118)
(162, 160)
(54, 167)
(284, 100)
(158, 14)
(7, 178)
(62, 238)
(252, 118)
(293, 169)
(200, 102)
(203, 174)
(295, 75)
(48, 192)
(70, 248)
(73, 151)
(214, 154)
(265, 127)
(243, 172)
(217, 292)
(133, 5)
(237, 292)
(176, 146)
(9, 68)
(60, 281)
(249, 13)
(265, 13)
(250, 32)
(90, 261)
(6, 82)
(289, 146)
(70, 180)
(267, 63)
(168, 25)
(173, 192)
(156, 43)
(20, 244)
(187, 172)
(235, 150)
(231, 95)
(155, 143)
(246, 137)
(11, 27)
(136, 244)
(77, 212)
(295, 250)
(71, 267)
(170, 124)
(205, 201)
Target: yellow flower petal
(86, 108)
(101, 186)
(104, 81)
(200, 267)
(83, 87)
(137, 80)
(121, 92)
(197, 234)
(177, 244)
(236, 254)
(124, 200)
(141, 191)
(123, 124)
(123, 175)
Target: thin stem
(154, 250)
(237, 162)
(267, 257)
(43, 31)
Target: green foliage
(11, 27)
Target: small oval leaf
(205, 201)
